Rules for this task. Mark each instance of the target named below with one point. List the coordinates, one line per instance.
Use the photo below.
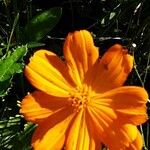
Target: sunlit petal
(128, 103)
(137, 144)
(39, 105)
(114, 136)
(95, 140)
(80, 53)
(81, 135)
(111, 70)
(120, 137)
(49, 74)
(50, 134)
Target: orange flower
(80, 102)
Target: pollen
(79, 99)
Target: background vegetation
(28, 25)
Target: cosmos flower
(80, 102)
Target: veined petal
(50, 134)
(120, 137)
(102, 116)
(114, 136)
(48, 73)
(128, 103)
(76, 133)
(137, 144)
(95, 142)
(111, 71)
(80, 53)
(81, 135)
(39, 105)
(111, 135)
(110, 122)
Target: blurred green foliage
(41, 24)
(9, 66)
(27, 25)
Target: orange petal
(112, 135)
(137, 144)
(95, 142)
(77, 133)
(39, 105)
(128, 103)
(81, 135)
(49, 74)
(120, 137)
(80, 53)
(112, 70)
(101, 116)
(50, 134)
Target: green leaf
(28, 130)
(4, 87)
(34, 44)
(11, 135)
(8, 131)
(40, 25)
(9, 66)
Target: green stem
(142, 83)
(148, 61)
(12, 31)
(138, 75)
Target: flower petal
(128, 103)
(137, 144)
(113, 135)
(39, 105)
(111, 71)
(110, 112)
(81, 135)
(50, 134)
(102, 117)
(80, 53)
(49, 74)
(77, 133)
(120, 137)
(95, 142)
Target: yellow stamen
(79, 99)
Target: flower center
(79, 99)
